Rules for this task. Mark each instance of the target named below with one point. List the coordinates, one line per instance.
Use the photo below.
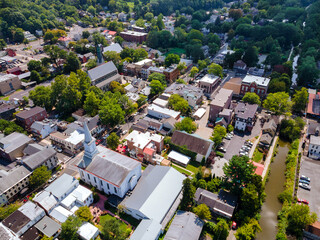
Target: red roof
(313, 104)
(148, 151)
(259, 169)
(64, 39)
(110, 32)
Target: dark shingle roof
(16, 221)
(193, 142)
(245, 110)
(29, 113)
(35, 160)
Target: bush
(285, 196)
(96, 197)
(220, 154)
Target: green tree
(72, 63)
(140, 22)
(160, 23)
(39, 176)
(188, 191)
(113, 141)
(251, 98)
(5, 211)
(251, 56)
(69, 228)
(300, 100)
(215, 69)
(148, 16)
(142, 100)
(157, 76)
(34, 65)
(219, 132)
(181, 81)
(139, 54)
(119, 40)
(171, 59)
(186, 125)
(111, 114)
(290, 129)
(35, 76)
(194, 71)
(214, 185)
(46, 238)
(307, 71)
(298, 218)
(202, 211)
(55, 54)
(98, 38)
(221, 230)
(92, 10)
(178, 103)
(3, 44)
(91, 104)
(84, 214)
(112, 230)
(279, 103)
(181, 66)
(112, 56)
(92, 63)
(230, 128)
(41, 96)
(248, 231)
(85, 34)
(156, 87)
(202, 64)
(238, 172)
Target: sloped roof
(29, 113)
(14, 141)
(156, 191)
(35, 160)
(48, 226)
(62, 185)
(185, 226)
(102, 70)
(146, 230)
(245, 110)
(115, 47)
(11, 178)
(193, 142)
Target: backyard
(257, 155)
(178, 51)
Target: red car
(234, 225)
(98, 141)
(303, 201)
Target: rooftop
(166, 111)
(245, 110)
(30, 113)
(185, 226)
(16, 221)
(62, 185)
(12, 177)
(233, 84)
(143, 62)
(146, 230)
(87, 231)
(13, 141)
(315, 140)
(222, 97)
(179, 157)
(115, 47)
(142, 139)
(102, 70)
(260, 81)
(35, 160)
(209, 78)
(133, 33)
(6, 77)
(48, 226)
(60, 214)
(156, 191)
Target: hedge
(183, 150)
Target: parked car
(59, 150)
(228, 137)
(234, 225)
(248, 143)
(246, 148)
(303, 201)
(98, 141)
(304, 186)
(124, 132)
(222, 149)
(303, 177)
(52, 178)
(304, 181)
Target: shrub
(96, 197)
(220, 154)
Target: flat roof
(48, 226)
(87, 231)
(260, 81)
(222, 97)
(178, 157)
(6, 77)
(133, 33)
(209, 78)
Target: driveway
(311, 169)
(204, 131)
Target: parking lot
(311, 169)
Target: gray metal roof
(35, 160)
(146, 230)
(32, 148)
(113, 47)
(112, 166)
(11, 178)
(185, 226)
(48, 226)
(156, 191)
(62, 185)
(14, 141)
(32, 210)
(101, 70)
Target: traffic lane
(311, 169)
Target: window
(108, 186)
(115, 190)
(88, 176)
(95, 180)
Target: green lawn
(257, 156)
(134, 222)
(180, 170)
(178, 51)
(193, 166)
(108, 217)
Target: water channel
(274, 186)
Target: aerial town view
(159, 119)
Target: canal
(274, 186)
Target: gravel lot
(311, 169)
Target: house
(185, 226)
(9, 83)
(199, 113)
(245, 116)
(27, 117)
(160, 102)
(107, 170)
(163, 126)
(157, 195)
(85, 57)
(240, 67)
(171, 73)
(255, 84)
(14, 71)
(12, 146)
(187, 62)
(131, 36)
(145, 145)
(222, 204)
(179, 158)
(115, 47)
(42, 156)
(101, 76)
(313, 108)
(147, 230)
(159, 112)
(209, 83)
(24, 218)
(256, 71)
(64, 41)
(190, 93)
(87, 231)
(13, 182)
(314, 147)
(122, 17)
(202, 147)
(48, 227)
(313, 128)
(42, 129)
(80, 196)
(7, 109)
(138, 68)
(221, 101)
(268, 132)
(60, 214)
(29, 36)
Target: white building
(87, 231)
(61, 214)
(107, 170)
(43, 128)
(314, 147)
(160, 112)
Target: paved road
(20, 94)
(311, 169)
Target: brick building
(258, 85)
(27, 117)
(221, 101)
(132, 36)
(171, 73)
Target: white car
(304, 186)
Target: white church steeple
(90, 148)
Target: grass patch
(181, 170)
(134, 222)
(178, 51)
(257, 156)
(193, 166)
(123, 227)
(5, 98)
